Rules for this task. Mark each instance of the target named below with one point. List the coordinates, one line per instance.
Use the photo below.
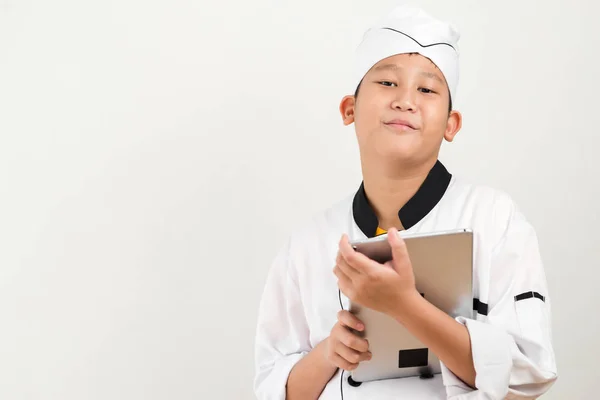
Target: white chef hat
(407, 29)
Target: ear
(347, 108)
(453, 125)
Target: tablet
(443, 268)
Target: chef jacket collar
(427, 197)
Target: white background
(154, 154)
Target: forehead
(409, 62)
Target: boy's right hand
(344, 348)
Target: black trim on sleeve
(480, 307)
(529, 295)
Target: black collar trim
(427, 197)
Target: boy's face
(401, 111)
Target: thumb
(399, 250)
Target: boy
(406, 78)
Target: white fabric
(511, 347)
(421, 33)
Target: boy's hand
(387, 288)
(344, 349)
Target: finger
(346, 318)
(340, 362)
(353, 258)
(398, 245)
(351, 272)
(352, 340)
(345, 285)
(340, 274)
(350, 355)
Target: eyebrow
(395, 67)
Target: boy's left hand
(381, 287)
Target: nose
(404, 100)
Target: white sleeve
(512, 346)
(282, 334)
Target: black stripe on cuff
(529, 295)
(480, 307)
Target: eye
(387, 83)
(426, 90)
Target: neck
(389, 190)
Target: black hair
(449, 97)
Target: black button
(353, 383)
(426, 375)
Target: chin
(399, 151)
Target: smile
(402, 127)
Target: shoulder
(323, 226)
(311, 241)
(330, 221)
(483, 197)
(479, 195)
(495, 209)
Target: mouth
(401, 125)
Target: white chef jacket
(510, 335)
